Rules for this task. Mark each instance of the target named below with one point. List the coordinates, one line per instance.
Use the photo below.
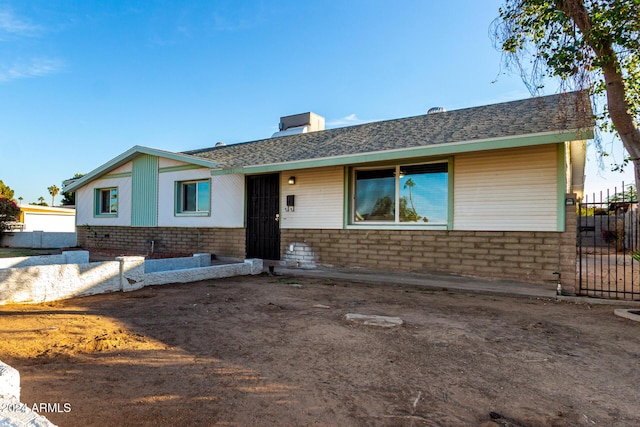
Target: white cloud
(349, 120)
(10, 24)
(14, 28)
(35, 67)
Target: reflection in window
(402, 194)
(375, 195)
(423, 193)
(108, 201)
(193, 197)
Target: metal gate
(608, 250)
(263, 207)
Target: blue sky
(83, 81)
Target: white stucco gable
(151, 198)
(124, 159)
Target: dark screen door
(263, 216)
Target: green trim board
(413, 152)
(178, 168)
(451, 195)
(144, 191)
(438, 227)
(347, 197)
(116, 175)
(561, 186)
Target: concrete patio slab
(425, 280)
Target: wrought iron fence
(608, 249)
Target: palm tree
(410, 184)
(53, 190)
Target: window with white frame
(401, 194)
(193, 197)
(106, 201)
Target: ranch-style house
(487, 191)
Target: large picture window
(106, 201)
(193, 197)
(403, 194)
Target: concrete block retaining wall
(43, 283)
(67, 257)
(166, 264)
(250, 266)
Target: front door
(263, 216)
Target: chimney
(299, 123)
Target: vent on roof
(434, 110)
(299, 123)
(220, 144)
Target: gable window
(193, 197)
(106, 201)
(401, 194)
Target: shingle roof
(555, 113)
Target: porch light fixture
(292, 180)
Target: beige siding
(319, 198)
(507, 190)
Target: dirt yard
(254, 351)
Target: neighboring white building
(47, 218)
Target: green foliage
(383, 209)
(69, 198)
(543, 32)
(9, 212)
(54, 191)
(629, 194)
(6, 191)
(407, 213)
(585, 44)
(41, 202)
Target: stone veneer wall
(227, 242)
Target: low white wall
(44, 283)
(66, 257)
(13, 413)
(165, 264)
(250, 266)
(38, 239)
(9, 381)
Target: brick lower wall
(531, 256)
(523, 256)
(227, 242)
